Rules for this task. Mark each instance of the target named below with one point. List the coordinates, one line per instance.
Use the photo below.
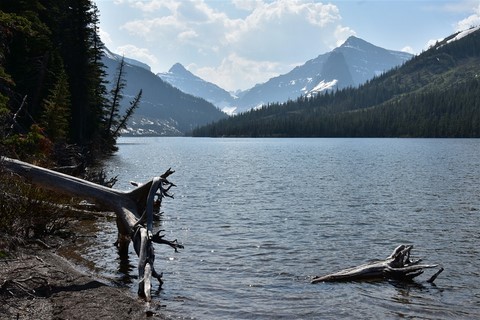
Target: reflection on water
(260, 217)
(125, 268)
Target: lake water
(260, 217)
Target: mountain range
(348, 65)
(164, 110)
(434, 94)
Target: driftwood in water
(397, 266)
(134, 210)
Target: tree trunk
(397, 266)
(133, 209)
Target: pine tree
(134, 104)
(56, 113)
(113, 121)
(116, 95)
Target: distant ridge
(164, 110)
(434, 94)
(351, 64)
(181, 78)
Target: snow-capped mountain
(351, 64)
(164, 109)
(116, 57)
(187, 82)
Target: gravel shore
(36, 283)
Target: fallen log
(134, 210)
(397, 266)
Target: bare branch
(135, 211)
(397, 266)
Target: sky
(239, 43)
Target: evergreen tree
(51, 71)
(56, 113)
(116, 96)
(113, 121)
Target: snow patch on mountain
(463, 33)
(322, 86)
(179, 77)
(349, 65)
(110, 55)
(229, 110)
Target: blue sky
(238, 43)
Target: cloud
(470, 21)
(269, 37)
(181, 23)
(149, 6)
(189, 34)
(141, 54)
(236, 72)
(342, 33)
(408, 49)
(105, 37)
(248, 5)
(467, 7)
(278, 29)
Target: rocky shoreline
(37, 283)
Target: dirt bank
(36, 283)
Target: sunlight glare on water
(260, 217)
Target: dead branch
(134, 210)
(397, 266)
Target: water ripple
(260, 217)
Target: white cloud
(342, 33)
(248, 5)
(467, 7)
(470, 21)
(237, 52)
(189, 34)
(149, 6)
(235, 72)
(105, 37)
(141, 54)
(278, 29)
(408, 49)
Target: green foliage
(435, 94)
(56, 113)
(52, 96)
(33, 146)
(51, 56)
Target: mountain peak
(353, 41)
(178, 68)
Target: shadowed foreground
(38, 284)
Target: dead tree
(397, 266)
(134, 210)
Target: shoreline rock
(36, 283)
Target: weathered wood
(396, 266)
(134, 210)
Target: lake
(260, 217)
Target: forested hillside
(165, 110)
(435, 94)
(52, 91)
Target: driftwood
(134, 210)
(397, 266)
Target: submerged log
(134, 210)
(397, 266)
